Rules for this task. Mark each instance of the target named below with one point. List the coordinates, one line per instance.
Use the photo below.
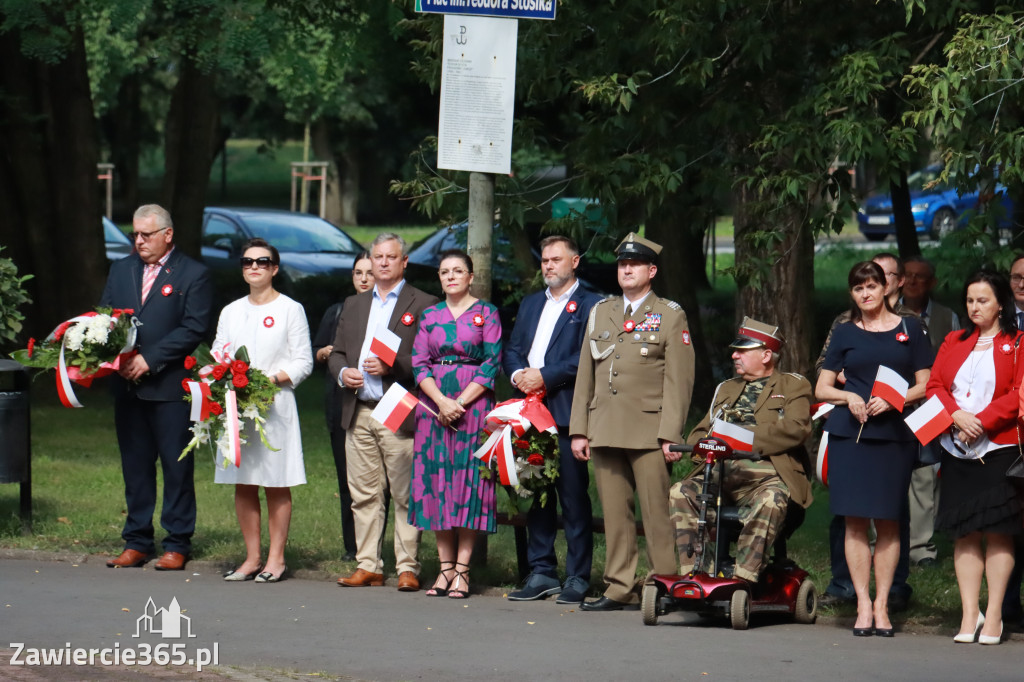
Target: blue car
(937, 211)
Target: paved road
(298, 627)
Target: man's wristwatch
(460, 401)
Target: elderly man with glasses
(172, 297)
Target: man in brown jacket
(630, 403)
(377, 457)
(776, 408)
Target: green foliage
(12, 298)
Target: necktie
(629, 312)
(1020, 320)
(148, 277)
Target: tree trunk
(323, 149)
(124, 132)
(906, 231)
(680, 282)
(785, 296)
(351, 170)
(49, 196)
(191, 145)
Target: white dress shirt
(381, 311)
(553, 307)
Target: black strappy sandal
(460, 577)
(436, 591)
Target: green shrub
(12, 297)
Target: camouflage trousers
(762, 498)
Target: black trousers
(149, 431)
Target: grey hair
(387, 237)
(163, 217)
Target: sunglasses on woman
(263, 262)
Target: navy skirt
(869, 479)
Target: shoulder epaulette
(797, 375)
(671, 304)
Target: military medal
(643, 351)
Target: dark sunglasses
(263, 262)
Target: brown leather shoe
(362, 578)
(130, 558)
(171, 561)
(408, 582)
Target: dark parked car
(316, 256)
(117, 243)
(938, 210)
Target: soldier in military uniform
(630, 403)
(775, 408)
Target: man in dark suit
(375, 455)
(172, 297)
(543, 355)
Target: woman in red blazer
(977, 375)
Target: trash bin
(15, 443)
(14, 422)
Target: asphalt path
(301, 627)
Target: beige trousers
(377, 457)
(619, 474)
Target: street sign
(509, 9)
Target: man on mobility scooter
(763, 411)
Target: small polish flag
(821, 467)
(891, 387)
(929, 420)
(394, 407)
(385, 345)
(820, 410)
(737, 437)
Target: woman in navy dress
(871, 449)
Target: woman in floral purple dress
(455, 359)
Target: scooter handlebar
(727, 453)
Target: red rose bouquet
(521, 439)
(227, 395)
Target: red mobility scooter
(783, 586)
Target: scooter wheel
(806, 609)
(739, 610)
(649, 604)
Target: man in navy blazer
(172, 297)
(543, 353)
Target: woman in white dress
(273, 329)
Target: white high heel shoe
(988, 639)
(971, 637)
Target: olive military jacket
(635, 378)
(783, 415)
